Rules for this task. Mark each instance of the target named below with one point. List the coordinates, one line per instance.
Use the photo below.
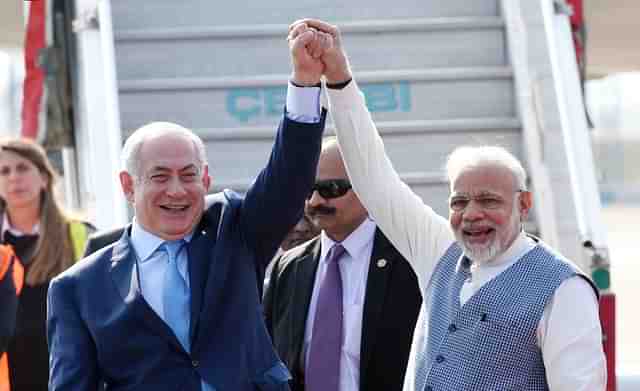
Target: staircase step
(279, 80)
(196, 13)
(392, 96)
(385, 128)
(261, 49)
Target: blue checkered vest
(490, 342)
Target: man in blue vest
(501, 310)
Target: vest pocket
(500, 336)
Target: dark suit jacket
(391, 306)
(100, 328)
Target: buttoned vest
(490, 342)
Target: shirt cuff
(303, 104)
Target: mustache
(321, 210)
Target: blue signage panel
(247, 104)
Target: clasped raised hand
(323, 43)
(307, 45)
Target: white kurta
(569, 332)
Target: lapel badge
(381, 263)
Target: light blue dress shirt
(152, 265)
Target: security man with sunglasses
(342, 307)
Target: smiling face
(21, 182)
(491, 220)
(168, 192)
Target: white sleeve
(570, 337)
(420, 234)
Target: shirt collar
(355, 243)
(6, 226)
(145, 243)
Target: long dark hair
(54, 249)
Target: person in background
(368, 347)
(46, 240)
(501, 309)
(303, 231)
(102, 238)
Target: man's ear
(525, 204)
(127, 184)
(206, 179)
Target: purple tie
(323, 369)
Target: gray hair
(463, 158)
(130, 157)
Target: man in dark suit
(175, 302)
(380, 296)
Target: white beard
(481, 254)
(487, 253)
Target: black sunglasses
(331, 188)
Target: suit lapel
(305, 273)
(380, 267)
(213, 260)
(124, 273)
(199, 251)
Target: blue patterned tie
(175, 303)
(323, 369)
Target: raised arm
(420, 234)
(275, 201)
(414, 228)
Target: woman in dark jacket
(46, 240)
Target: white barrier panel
(5, 93)
(11, 77)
